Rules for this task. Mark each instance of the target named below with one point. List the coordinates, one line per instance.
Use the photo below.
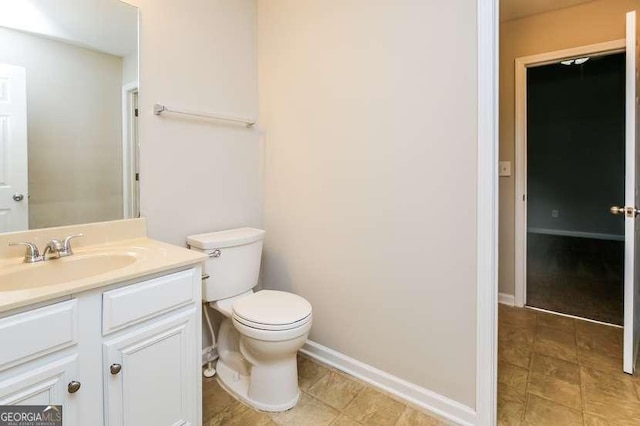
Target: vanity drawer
(137, 302)
(56, 327)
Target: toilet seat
(272, 327)
(271, 310)
(300, 329)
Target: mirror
(68, 112)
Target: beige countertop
(21, 283)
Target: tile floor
(554, 370)
(328, 397)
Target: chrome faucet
(59, 248)
(55, 247)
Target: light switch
(505, 168)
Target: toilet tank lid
(228, 238)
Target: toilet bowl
(271, 327)
(262, 331)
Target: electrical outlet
(555, 214)
(505, 168)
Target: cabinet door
(155, 379)
(45, 384)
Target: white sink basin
(59, 271)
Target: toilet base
(238, 386)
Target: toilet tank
(233, 265)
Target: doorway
(532, 342)
(130, 152)
(575, 157)
(560, 224)
(628, 212)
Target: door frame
(129, 152)
(521, 65)
(486, 400)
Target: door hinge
(137, 177)
(135, 112)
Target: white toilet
(262, 331)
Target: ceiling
(512, 9)
(109, 26)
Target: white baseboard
(507, 299)
(429, 400)
(564, 233)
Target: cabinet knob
(73, 386)
(115, 368)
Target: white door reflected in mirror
(14, 207)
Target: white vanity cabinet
(47, 384)
(149, 368)
(125, 355)
(39, 358)
(146, 382)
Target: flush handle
(115, 368)
(215, 253)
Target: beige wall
(590, 23)
(74, 129)
(370, 179)
(197, 175)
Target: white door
(14, 207)
(632, 200)
(151, 376)
(46, 384)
